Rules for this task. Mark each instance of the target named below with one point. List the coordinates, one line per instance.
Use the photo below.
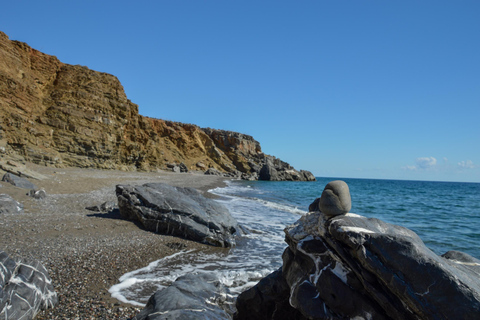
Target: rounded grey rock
(335, 199)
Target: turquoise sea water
(446, 216)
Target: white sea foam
(256, 254)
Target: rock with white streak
(25, 289)
(182, 212)
(190, 297)
(352, 267)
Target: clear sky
(363, 89)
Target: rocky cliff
(58, 114)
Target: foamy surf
(257, 253)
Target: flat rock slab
(9, 205)
(190, 297)
(182, 212)
(20, 170)
(18, 181)
(25, 288)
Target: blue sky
(366, 89)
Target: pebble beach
(85, 252)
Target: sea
(446, 216)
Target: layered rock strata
(352, 267)
(58, 114)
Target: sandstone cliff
(59, 115)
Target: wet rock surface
(352, 267)
(182, 212)
(193, 296)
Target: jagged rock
(201, 166)
(183, 167)
(269, 173)
(352, 267)
(25, 288)
(182, 212)
(267, 300)
(335, 199)
(107, 206)
(190, 297)
(37, 194)
(276, 170)
(249, 177)
(18, 181)
(314, 205)
(9, 205)
(307, 175)
(213, 172)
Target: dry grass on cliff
(86, 252)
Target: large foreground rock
(190, 297)
(25, 289)
(352, 267)
(182, 212)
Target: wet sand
(86, 252)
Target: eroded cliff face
(59, 115)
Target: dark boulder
(308, 176)
(18, 181)
(25, 288)
(182, 212)
(314, 206)
(267, 300)
(269, 173)
(213, 172)
(352, 267)
(183, 167)
(9, 205)
(190, 297)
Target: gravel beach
(86, 252)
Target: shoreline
(86, 252)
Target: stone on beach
(9, 205)
(182, 212)
(25, 288)
(107, 206)
(335, 199)
(193, 296)
(18, 181)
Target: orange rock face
(59, 115)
